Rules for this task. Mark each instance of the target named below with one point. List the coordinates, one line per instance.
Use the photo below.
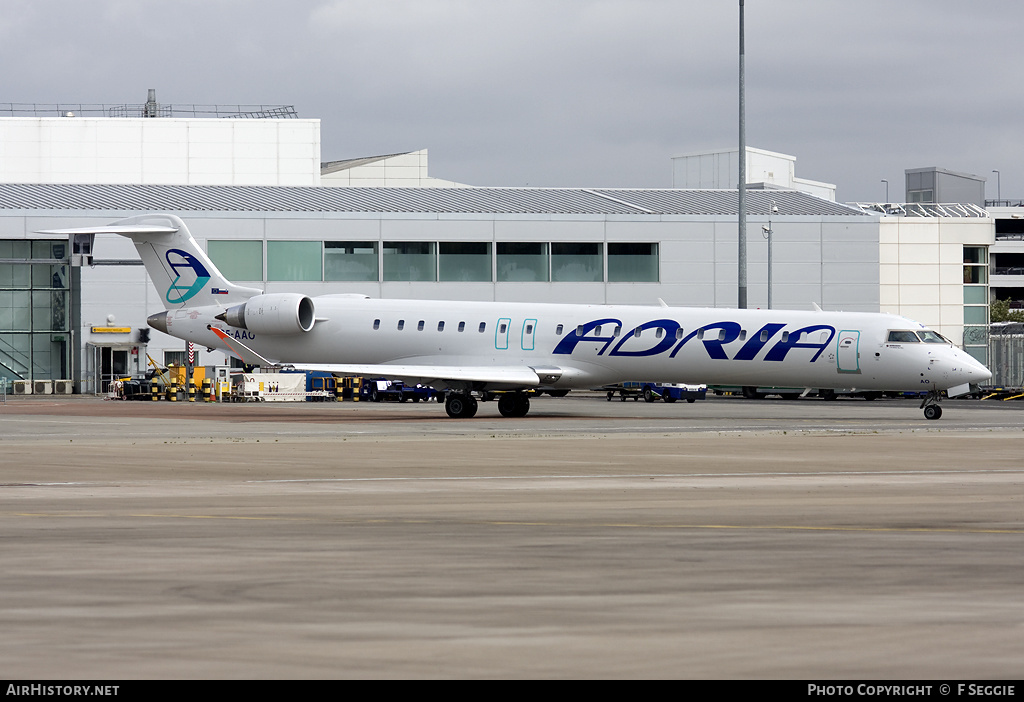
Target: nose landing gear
(930, 405)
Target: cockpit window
(930, 337)
(903, 337)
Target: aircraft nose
(973, 370)
(979, 373)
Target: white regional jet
(469, 348)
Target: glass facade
(351, 260)
(445, 261)
(632, 263)
(976, 297)
(577, 262)
(35, 310)
(467, 262)
(294, 260)
(522, 262)
(410, 261)
(238, 260)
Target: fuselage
(602, 344)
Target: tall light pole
(999, 188)
(742, 204)
(886, 190)
(767, 231)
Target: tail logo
(196, 276)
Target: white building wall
(166, 151)
(921, 268)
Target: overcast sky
(566, 92)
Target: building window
(240, 260)
(522, 262)
(294, 260)
(410, 261)
(468, 262)
(35, 310)
(350, 260)
(976, 296)
(632, 263)
(576, 263)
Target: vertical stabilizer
(181, 271)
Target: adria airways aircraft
(469, 348)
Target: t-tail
(181, 271)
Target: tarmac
(728, 538)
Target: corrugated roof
(565, 201)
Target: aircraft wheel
(460, 406)
(513, 405)
(932, 412)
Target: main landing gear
(462, 405)
(930, 405)
(513, 404)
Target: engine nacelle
(279, 313)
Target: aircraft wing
(503, 376)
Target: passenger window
(597, 330)
(657, 334)
(401, 324)
(501, 328)
(376, 324)
(462, 326)
(764, 336)
(785, 337)
(558, 330)
(483, 326)
(419, 327)
(529, 328)
(679, 333)
(617, 330)
(440, 326)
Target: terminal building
(256, 194)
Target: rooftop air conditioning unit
(42, 387)
(22, 387)
(63, 387)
